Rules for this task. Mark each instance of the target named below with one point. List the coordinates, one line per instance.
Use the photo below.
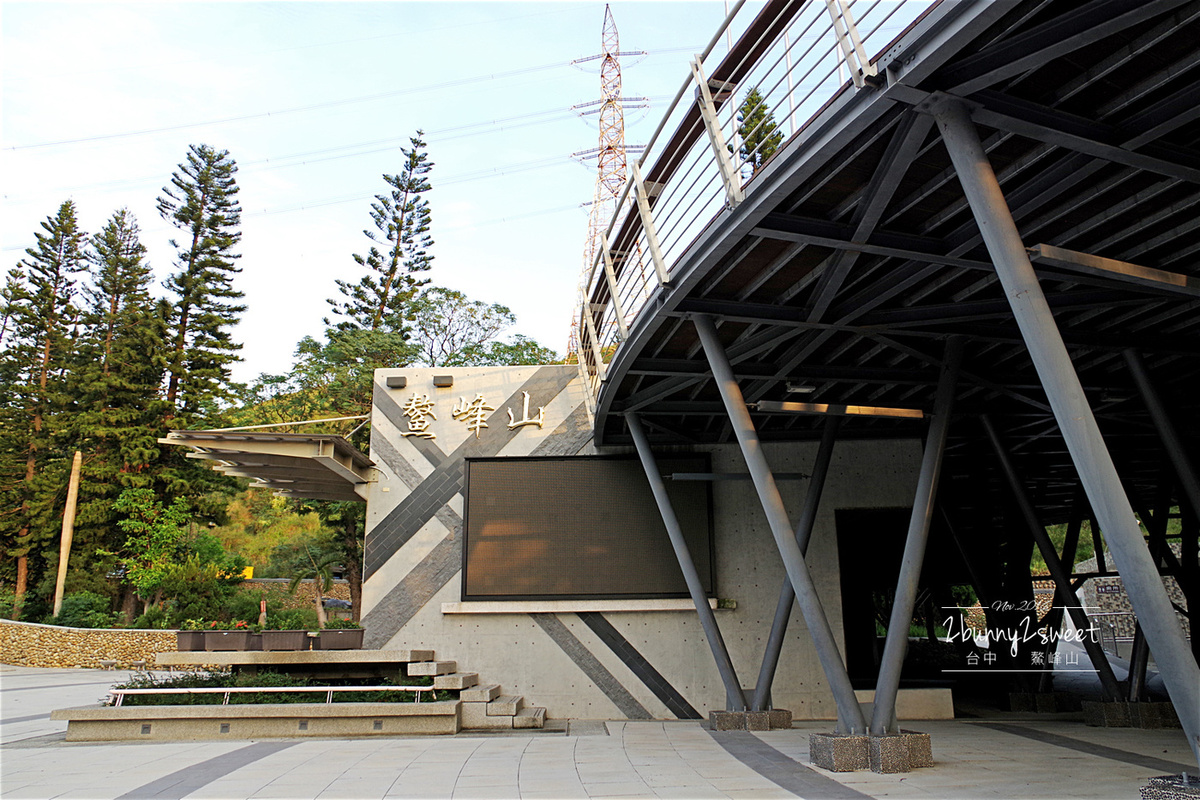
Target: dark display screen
(580, 527)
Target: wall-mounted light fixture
(396, 381)
(443, 381)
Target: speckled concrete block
(727, 720)
(838, 753)
(781, 719)
(889, 754)
(1100, 714)
(920, 749)
(1172, 787)
(758, 720)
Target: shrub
(342, 623)
(85, 610)
(155, 618)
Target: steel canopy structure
(296, 465)
(900, 240)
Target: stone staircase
(483, 706)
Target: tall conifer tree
(42, 316)
(758, 131)
(117, 412)
(202, 203)
(400, 254)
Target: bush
(292, 619)
(85, 610)
(156, 618)
(341, 623)
(266, 680)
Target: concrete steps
(482, 706)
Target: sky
(313, 100)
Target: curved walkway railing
(798, 55)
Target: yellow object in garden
(248, 573)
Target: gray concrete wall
(628, 659)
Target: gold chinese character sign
(539, 420)
(473, 413)
(417, 408)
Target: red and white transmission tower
(611, 153)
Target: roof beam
(1088, 264)
(826, 409)
(1043, 124)
(1052, 39)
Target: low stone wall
(28, 645)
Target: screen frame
(710, 533)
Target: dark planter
(285, 640)
(189, 641)
(225, 640)
(254, 641)
(339, 639)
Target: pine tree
(117, 413)
(401, 217)
(202, 202)
(759, 134)
(42, 314)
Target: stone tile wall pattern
(28, 645)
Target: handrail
(793, 53)
(119, 694)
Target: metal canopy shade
(318, 467)
(854, 253)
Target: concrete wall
(626, 659)
(28, 645)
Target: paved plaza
(1004, 756)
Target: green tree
(399, 253)
(521, 350)
(759, 134)
(40, 307)
(319, 568)
(202, 203)
(155, 540)
(116, 413)
(447, 326)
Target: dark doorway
(870, 548)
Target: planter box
(285, 640)
(189, 641)
(225, 640)
(254, 642)
(339, 639)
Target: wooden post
(68, 531)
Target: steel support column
(1062, 579)
(735, 698)
(787, 596)
(1073, 414)
(850, 716)
(887, 685)
(1166, 430)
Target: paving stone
(838, 753)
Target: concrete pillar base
(750, 720)
(1122, 714)
(1172, 787)
(838, 753)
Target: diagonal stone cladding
(446, 480)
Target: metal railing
(798, 55)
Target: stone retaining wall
(28, 645)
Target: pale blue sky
(313, 100)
